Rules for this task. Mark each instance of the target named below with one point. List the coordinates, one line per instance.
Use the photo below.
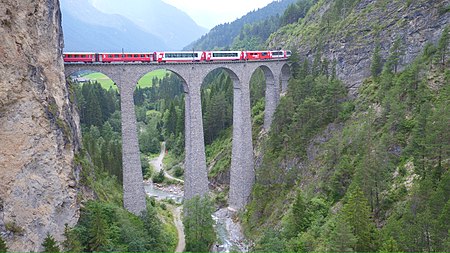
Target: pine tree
(98, 230)
(3, 247)
(71, 244)
(377, 64)
(356, 213)
(198, 224)
(299, 217)
(443, 46)
(389, 245)
(395, 54)
(341, 238)
(50, 244)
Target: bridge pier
(133, 188)
(272, 97)
(196, 178)
(242, 174)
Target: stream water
(161, 194)
(229, 233)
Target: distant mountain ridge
(222, 36)
(86, 28)
(173, 26)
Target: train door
(96, 59)
(160, 57)
(203, 58)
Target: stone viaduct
(127, 75)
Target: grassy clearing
(145, 81)
(104, 80)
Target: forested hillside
(368, 172)
(357, 157)
(251, 31)
(346, 31)
(104, 224)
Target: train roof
(78, 53)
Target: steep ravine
(39, 132)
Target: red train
(180, 56)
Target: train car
(225, 55)
(79, 57)
(180, 56)
(126, 57)
(258, 55)
(195, 56)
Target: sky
(209, 13)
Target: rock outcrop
(39, 132)
(351, 40)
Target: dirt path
(180, 229)
(158, 165)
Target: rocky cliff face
(351, 40)
(38, 127)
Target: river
(229, 233)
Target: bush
(178, 171)
(3, 247)
(159, 178)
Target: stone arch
(284, 77)
(171, 70)
(111, 75)
(272, 95)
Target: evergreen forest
(342, 168)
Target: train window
(116, 56)
(142, 55)
(110, 55)
(225, 54)
(264, 53)
(136, 55)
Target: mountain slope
(346, 31)
(87, 29)
(366, 174)
(222, 36)
(168, 23)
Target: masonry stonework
(242, 175)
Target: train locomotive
(175, 57)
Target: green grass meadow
(145, 81)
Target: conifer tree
(377, 64)
(198, 224)
(298, 218)
(443, 46)
(356, 213)
(71, 244)
(50, 244)
(395, 54)
(341, 238)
